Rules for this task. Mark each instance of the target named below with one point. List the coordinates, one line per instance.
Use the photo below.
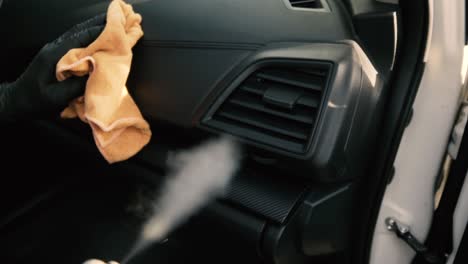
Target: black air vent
(306, 3)
(276, 106)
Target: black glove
(37, 93)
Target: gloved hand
(37, 93)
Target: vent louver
(276, 106)
(306, 3)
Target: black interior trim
(466, 22)
(462, 252)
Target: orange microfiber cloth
(118, 127)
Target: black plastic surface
(193, 52)
(327, 222)
(360, 7)
(84, 220)
(258, 191)
(277, 105)
(192, 21)
(169, 83)
(187, 48)
(294, 209)
(374, 32)
(344, 118)
(319, 227)
(267, 195)
(462, 252)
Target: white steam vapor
(196, 177)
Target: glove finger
(51, 53)
(78, 40)
(98, 20)
(62, 93)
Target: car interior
(318, 93)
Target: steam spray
(196, 177)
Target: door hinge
(403, 232)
